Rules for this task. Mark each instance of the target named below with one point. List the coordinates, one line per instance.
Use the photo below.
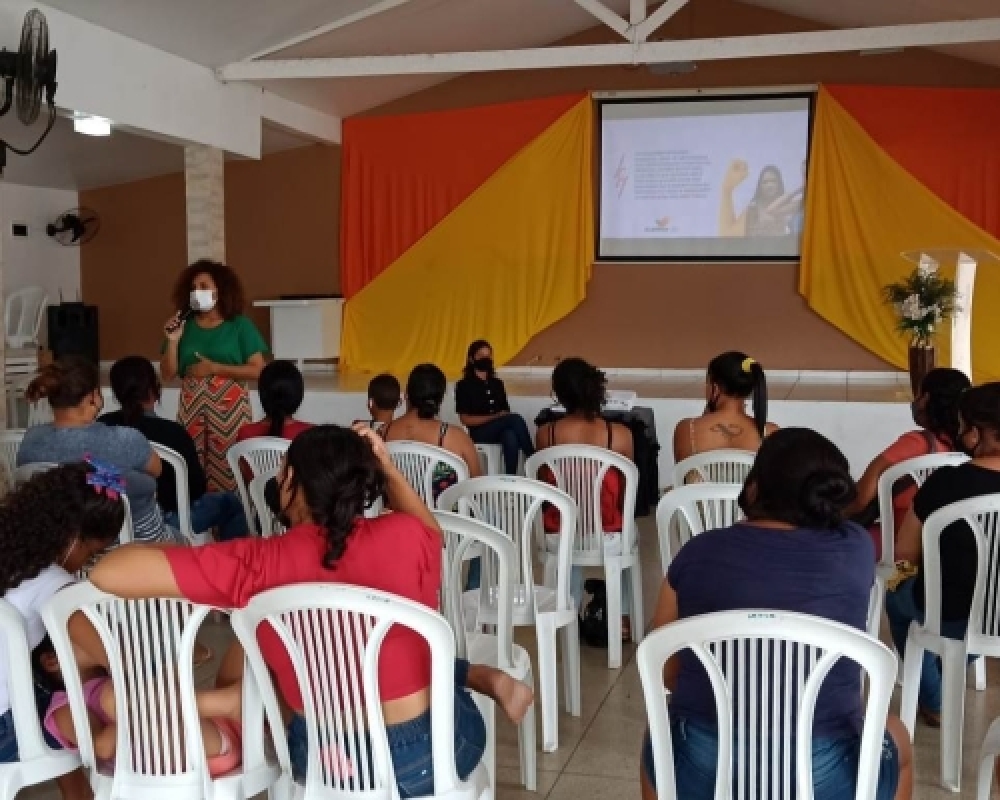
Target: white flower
(927, 268)
(910, 308)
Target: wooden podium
(307, 328)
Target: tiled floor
(598, 756)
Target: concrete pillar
(205, 192)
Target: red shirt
(393, 553)
(290, 430)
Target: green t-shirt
(232, 343)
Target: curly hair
(64, 383)
(42, 517)
(226, 281)
(339, 477)
(580, 387)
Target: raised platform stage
(862, 412)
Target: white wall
(37, 260)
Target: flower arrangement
(923, 300)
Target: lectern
(305, 328)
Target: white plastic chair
(916, 469)
(176, 461)
(333, 634)
(579, 471)
(793, 653)
(23, 313)
(715, 466)
(491, 460)
(514, 505)
(10, 443)
(264, 455)
(268, 523)
(686, 511)
(987, 760)
(464, 537)
(40, 413)
(982, 638)
(159, 750)
(37, 761)
(417, 461)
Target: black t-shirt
(944, 486)
(173, 435)
(479, 398)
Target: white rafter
(930, 34)
(597, 9)
(648, 27)
(342, 22)
(636, 12)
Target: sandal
(932, 719)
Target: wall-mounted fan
(26, 75)
(74, 227)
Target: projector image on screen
(706, 178)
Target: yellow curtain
(510, 260)
(862, 211)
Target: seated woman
(732, 378)
(581, 389)
(425, 390)
(979, 437)
(330, 475)
(384, 397)
(281, 389)
(137, 390)
(935, 411)
(795, 552)
(72, 387)
(481, 404)
(50, 527)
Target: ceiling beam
(342, 22)
(779, 44)
(597, 9)
(297, 118)
(654, 21)
(636, 12)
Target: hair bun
(825, 494)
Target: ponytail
(277, 420)
(281, 389)
(134, 384)
(759, 397)
(64, 383)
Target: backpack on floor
(594, 618)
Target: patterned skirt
(213, 410)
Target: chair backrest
(26, 472)
(982, 516)
(333, 634)
(514, 506)
(579, 470)
(462, 535)
(714, 466)
(686, 511)
(917, 469)
(176, 462)
(267, 522)
(40, 413)
(417, 461)
(31, 746)
(490, 459)
(263, 454)
(765, 723)
(23, 315)
(10, 443)
(150, 648)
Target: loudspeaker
(73, 331)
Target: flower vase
(923, 356)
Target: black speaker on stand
(73, 331)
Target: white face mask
(202, 299)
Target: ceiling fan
(26, 75)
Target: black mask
(272, 496)
(483, 365)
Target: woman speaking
(215, 352)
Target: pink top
(92, 696)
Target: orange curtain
(404, 174)
(948, 139)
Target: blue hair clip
(106, 478)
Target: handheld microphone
(182, 317)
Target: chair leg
(987, 760)
(637, 618)
(980, 666)
(875, 609)
(953, 672)
(548, 684)
(613, 585)
(913, 661)
(526, 746)
(571, 667)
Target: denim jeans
(835, 764)
(901, 609)
(510, 432)
(222, 510)
(8, 735)
(410, 744)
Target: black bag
(594, 619)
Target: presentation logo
(621, 177)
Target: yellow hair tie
(747, 364)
